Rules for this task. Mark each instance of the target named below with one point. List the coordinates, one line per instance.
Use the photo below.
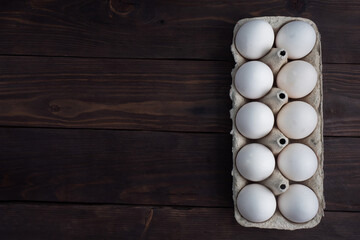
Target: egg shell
(255, 162)
(254, 120)
(254, 79)
(297, 120)
(297, 162)
(254, 39)
(297, 38)
(298, 204)
(297, 78)
(256, 203)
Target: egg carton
(275, 140)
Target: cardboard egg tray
(275, 140)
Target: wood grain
(163, 29)
(159, 168)
(342, 100)
(32, 221)
(166, 95)
(69, 69)
(119, 94)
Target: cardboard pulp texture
(275, 140)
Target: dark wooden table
(115, 121)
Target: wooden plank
(25, 221)
(164, 95)
(341, 86)
(161, 168)
(32, 221)
(163, 29)
(121, 94)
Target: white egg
(297, 120)
(256, 203)
(297, 38)
(297, 78)
(254, 79)
(297, 162)
(254, 39)
(255, 162)
(254, 120)
(298, 204)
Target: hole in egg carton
(282, 141)
(282, 53)
(282, 95)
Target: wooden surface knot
(297, 6)
(54, 108)
(148, 219)
(121, 7)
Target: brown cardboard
(314, 141)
